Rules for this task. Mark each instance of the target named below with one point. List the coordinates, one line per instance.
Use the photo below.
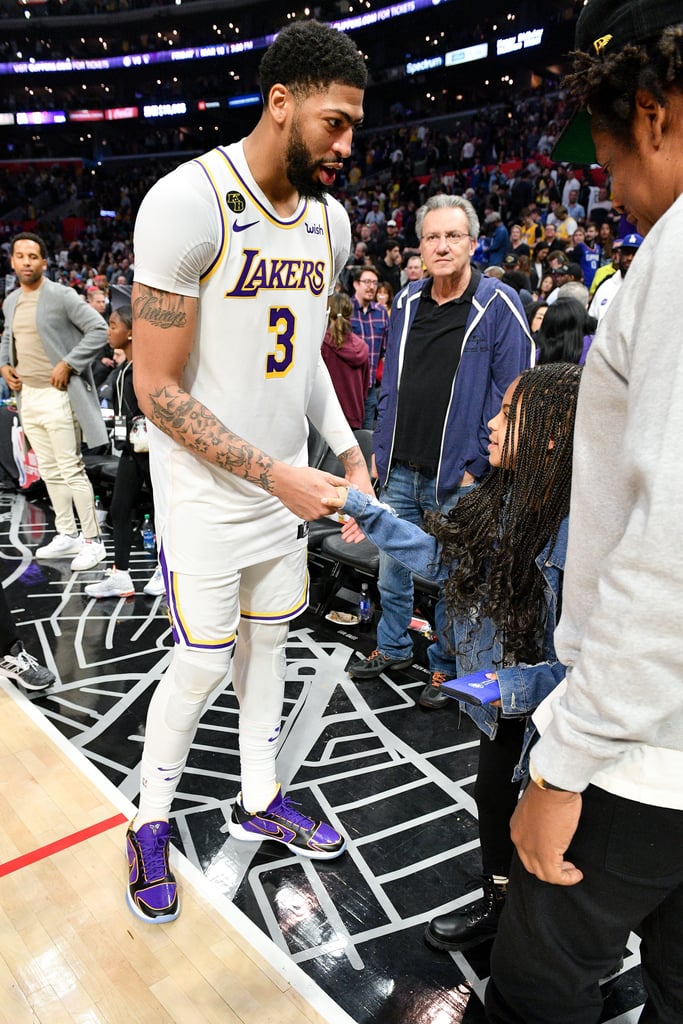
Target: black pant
(496, 795)
(555, 942)
(8, 631)
(131, 476)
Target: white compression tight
(179, 700)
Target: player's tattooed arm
(194, 426)
(163, 310)
(355, 469)
(164, 330)
(164, 326)
(352, 459)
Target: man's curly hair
(308, 57)
(608, 84)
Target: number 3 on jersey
(282, 323)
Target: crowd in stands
(543, 226)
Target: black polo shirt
(430, 361)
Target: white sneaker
(91, 554)
(61, 546)
(116, 583)
(155, 587)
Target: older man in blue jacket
(456, 341)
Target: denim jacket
(522, 687)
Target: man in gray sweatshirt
(599, 830)
(51, 337)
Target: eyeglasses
(451, 237)
(368, 280)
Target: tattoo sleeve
(352, 459)
(194, 426)
(175, 411)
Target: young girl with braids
(501, 553)
(347, 358)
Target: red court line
(61, 844)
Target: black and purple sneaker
(152, 892)
(283, 823)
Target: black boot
(472, 925)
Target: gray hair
(574, 290)
(444, 202)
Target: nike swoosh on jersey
(243, 227)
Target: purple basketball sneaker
(152, 892)
(283, 823)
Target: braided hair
(495, 533)
(608, 83)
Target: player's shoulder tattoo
(159, 308)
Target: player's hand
(11, 377)
(308, 493)
(542, 828)
(350, 531)
(340, 499)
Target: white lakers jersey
(207, 230)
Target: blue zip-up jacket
(496, 348)
(522, 687)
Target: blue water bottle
(147, 534)
(364, 611)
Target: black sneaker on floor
(375, 664)
(23, 667)
(432, 696)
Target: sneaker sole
(154, 593)
(90, 565)
(360, 672)
(62, 554)
(103, 597)
(237, 831)
(7, 674)
(162, 919)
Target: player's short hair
(308, 57)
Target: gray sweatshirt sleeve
(620, 631)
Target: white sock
(258, 746)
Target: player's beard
(301, 168)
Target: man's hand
(351, 532)
(542, 828)
(10, 376)
(308, 493)
(60, 376)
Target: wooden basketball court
(70, 950)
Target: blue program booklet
(475, 688)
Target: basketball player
(235, 255)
